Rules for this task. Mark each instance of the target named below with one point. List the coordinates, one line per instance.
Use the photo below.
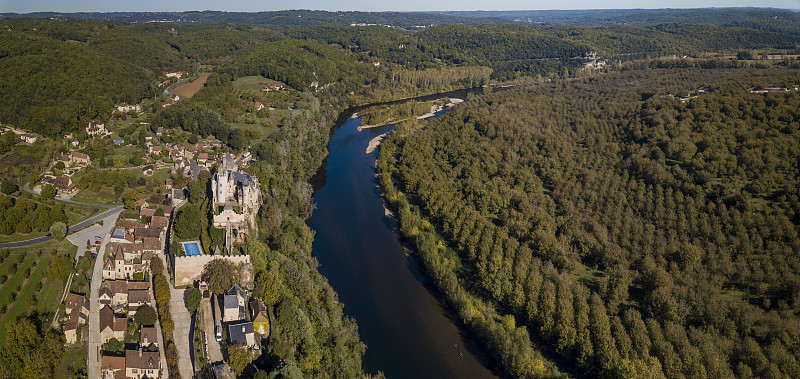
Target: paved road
(93, 358)
(112, 210)
(182, 319)
(121, 168)
(115, 211)
(80, 237)
(214, 350)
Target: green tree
(193, 300)
(187, 223)
(58, 230)
(197, 191)
(129, 198)
(220, 275)
(61, 266)
(145, 315)
(8, 187)
(114, 346)
(239, 357)
(48, 192)
(30, 350)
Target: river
(407, 332)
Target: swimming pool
(192, 248)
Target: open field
(189, 89)
(20, 236)
(77, 213)
(105, 196)
(250, 83)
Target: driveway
(214, 350)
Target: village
(127, 326)
(127, 331)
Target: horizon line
(404, 11)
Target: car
(96, 242)
(219, 333)
(98, 238)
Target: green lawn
(78, 213)
(21, 237)
(48, 247)
(49, 297)
(250, 83)
(105, 196)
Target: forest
(127, 61)
(593, 218)
(625, 231)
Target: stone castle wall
(188, 269)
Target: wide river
(407, 331)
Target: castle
(238, 196)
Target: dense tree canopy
(632, 231)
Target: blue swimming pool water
(191, 248)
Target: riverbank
(437, 262)
(375, 142)
(451, 101)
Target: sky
(25, 6)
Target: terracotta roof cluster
(159, 222)
(129, 224)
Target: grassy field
(189, 89)
(48, 247)
(105, 196)
(76, 213)
(250, 83)
(21, 237)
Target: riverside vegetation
(534, 248)
(626, 232)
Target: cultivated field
(189, 89)
(25, 287)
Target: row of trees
(162, 294)
(633, 237)
(25, 215)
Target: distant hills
(770, 19)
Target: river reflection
(408, 334)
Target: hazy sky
(24, 6)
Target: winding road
(72, 228)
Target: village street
(183, 323)
(93, 358)
(208, 323)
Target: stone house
(111, 326)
